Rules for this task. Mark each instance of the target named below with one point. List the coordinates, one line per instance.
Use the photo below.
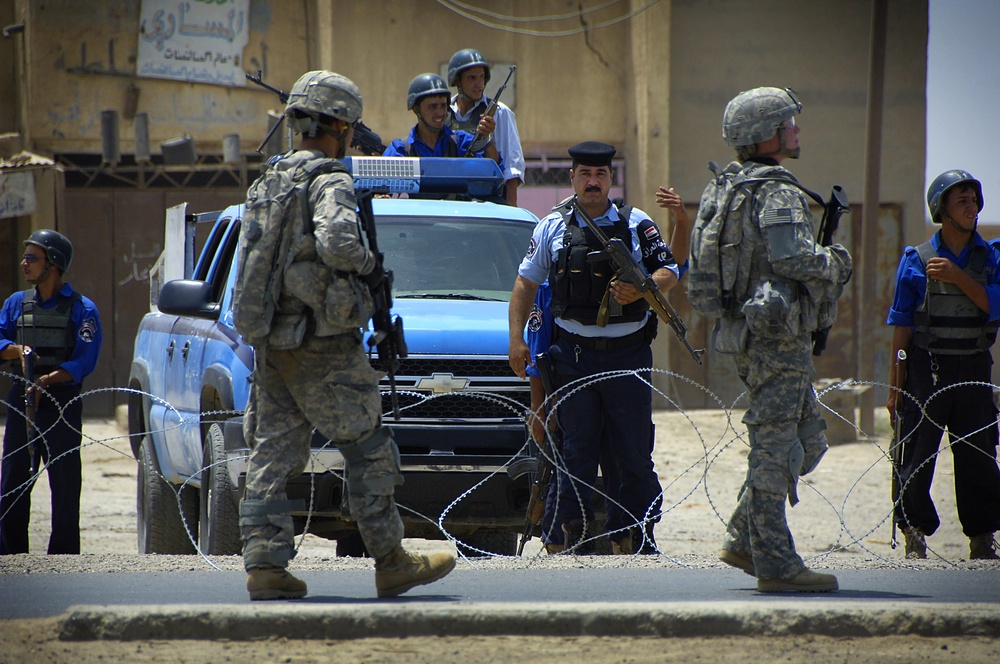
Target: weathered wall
(82, 61)
(655, 85)
(820, 50)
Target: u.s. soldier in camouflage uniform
(791, 291)
(313, 372)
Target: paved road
(41, 595)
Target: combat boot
(805, 581)
(552, 548)
(400, 570)
(623, 546)
(575, 539)
(983, 547)
(916, 545)
(274, 583)
(643, 538)
(737, 560)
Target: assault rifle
(832, 211)
(896, 446)
(365, 140)
(543, 476)
(481, 141)
(627, 269)
(29, 406)
(387, 335)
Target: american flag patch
(779, 216)
(345, 198)
(651, 233)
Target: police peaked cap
(592, 153)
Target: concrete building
(649, 77)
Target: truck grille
(475, 401)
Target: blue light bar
(476, 177)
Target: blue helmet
(424, 85)
(57, 247)
(944, 182)
(464, 59)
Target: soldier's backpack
(719, 268)
(265, 238)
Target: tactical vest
(450, 148)
(475, 116)
(579, 285)
(947, 321)
(49, 332)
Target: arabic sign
(200, 41)
(17, 194)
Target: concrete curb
(705, 619)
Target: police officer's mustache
(592, 188)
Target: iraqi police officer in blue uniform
(428, 98)
(621, 407)
(61, 329)
(945, 316)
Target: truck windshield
(453, 257)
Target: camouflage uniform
(794, 286)
(325, 382)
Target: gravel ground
(841, 523)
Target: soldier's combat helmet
(755, 115)
(464, 59)
(423, 86)
(944, 182)
(57, 247)
(322, 93)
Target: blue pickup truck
(461, 431)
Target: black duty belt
(640, 336)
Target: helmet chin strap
(340, 136)
(957, 227)
(427, 125)
(791, 154)
(41, 277)
(461, 93)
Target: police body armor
(450, 149)
(472, 124)
(579, 285)
(947, 321)
(49, 332)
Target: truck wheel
(160, 527)
(219, 534)
(497, 542)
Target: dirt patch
(842, 522)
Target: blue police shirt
(648, 248)
(401, 148)
(86, 323)
(911, 280)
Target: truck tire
(219, 525)
(496, 542)
(160, 528)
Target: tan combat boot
(805, 581)
(399, 570)
(737, 560)
(622, 547)
(916, 545)
(553, 548)
(274, 583)
(983, 547)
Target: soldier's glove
(374, 278)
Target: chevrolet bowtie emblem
(442, 383)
